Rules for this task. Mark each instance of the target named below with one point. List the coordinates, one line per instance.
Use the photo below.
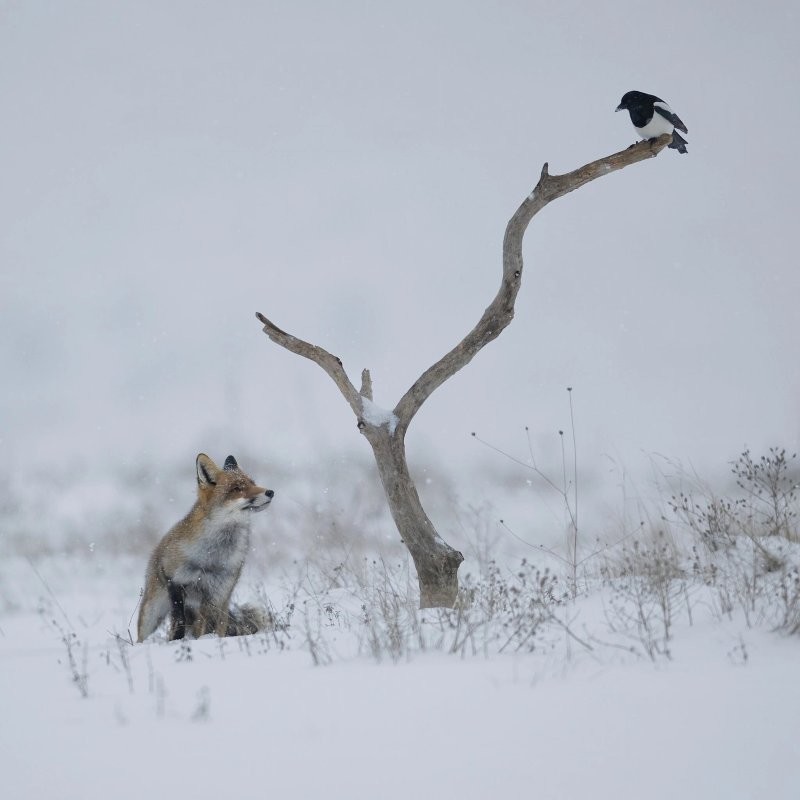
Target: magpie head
(632, 99)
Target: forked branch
(498, 313)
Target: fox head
(229, 488)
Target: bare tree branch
(330, 363)
(500, 311)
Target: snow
(373, 414)
(239, 718)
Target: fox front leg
(178, 620)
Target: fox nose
(269, 493)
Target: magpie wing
(662, 108)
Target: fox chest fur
(209, 561)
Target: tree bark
(436, 561)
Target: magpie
(652, 118)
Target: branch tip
(270, 328)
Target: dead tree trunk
(436, 561)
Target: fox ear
(206, 471)
(230, 464)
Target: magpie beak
(618, 108)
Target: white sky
(348, 169)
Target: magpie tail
(678, 143)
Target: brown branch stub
(500, 312)
(329, 362)
(366, 384)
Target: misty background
(348, 169)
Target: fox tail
(245, 620)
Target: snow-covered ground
(323, 709)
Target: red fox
(194, 568)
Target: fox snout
(261, 501)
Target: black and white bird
(652, 118)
